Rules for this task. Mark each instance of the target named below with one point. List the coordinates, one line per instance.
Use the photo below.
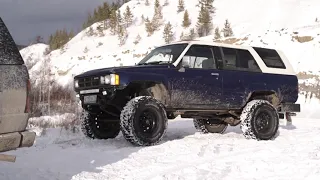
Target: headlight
(112, 79)
(76, 83)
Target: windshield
(164, 54)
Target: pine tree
(166, 3)
(71, 34)
(204, 24)
(89, 22)
(147, 3)
(122, 35)
(181, 36)
(157, 17)
(119, 17)
(106, 11)
(167, 33)
(186, 21)
(95, 16)
(113, 22)
(119, 23)
(137, 40)
(227, 30)
(100, 14)
(90, 31)
(128, 17)
(192, 34)
(100, 30)
(149, 27)
(39, 39)
(207, 4)
(180, 6)
(156, 4)
(217, 34)
(59, 39)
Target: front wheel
(259, 120)
(97, 127)
(143, 121)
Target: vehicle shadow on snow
(179, 129)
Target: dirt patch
(231, 40)
(303, 39)
(305, 75)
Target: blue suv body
(215, 84)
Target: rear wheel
(210, 125)
(96, 126)
(259, 120)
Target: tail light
(27, 108)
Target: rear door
(241, 75)
(14, 79)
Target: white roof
(288, 71)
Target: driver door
(198, 85)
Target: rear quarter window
(9, 53)
(270, 57)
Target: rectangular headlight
(112, 79)
(76, 83)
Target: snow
(183, 154)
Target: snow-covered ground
(183, 154)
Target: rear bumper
(12, 141)
(289, 108)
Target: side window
(200, 56)
(229, 58)
(270, 57)
(247, 61)
(239, 59)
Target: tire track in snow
(225, 158)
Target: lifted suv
(215, 84)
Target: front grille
(89, 82)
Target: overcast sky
(26, 19)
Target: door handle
(214, 74)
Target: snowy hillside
(275, 24)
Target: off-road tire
(250, 116)
(204, 126)
(91, 130)
(130, 121)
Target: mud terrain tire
(259, 120)
(210, 126)
(93, 129)
(139, 114)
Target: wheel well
(141, 88)
(155, 89)
(270, 96)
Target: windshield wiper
(154, 62)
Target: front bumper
(286, 107)
(12, 141)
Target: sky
(26, 19)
